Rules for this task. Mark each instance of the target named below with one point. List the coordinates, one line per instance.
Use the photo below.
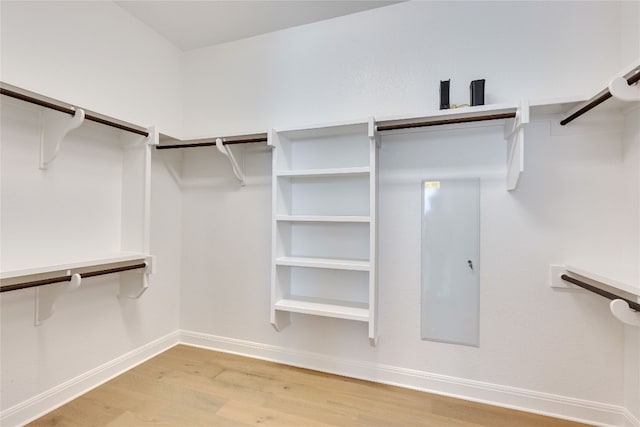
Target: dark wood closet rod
(70, 110)
(212, 141)
(633, 305)
(381, 127)
(34, 283)
(632, 78)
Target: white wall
(630, 30)
(389, 61)
(631, 153)
(93, 55)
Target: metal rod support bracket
(514, 135)
(54, 128)
(47, 296)
(132, 286)
(623, 91)
(237, 171)
(623, 312)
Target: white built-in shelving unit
(324, 223)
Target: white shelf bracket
(280, 320)
(621, 90)
(621, 310)
(237, 171)
(154, 136)
(47, 296)
(271, 138)
(132, 286)
(55, 127)
(372, 132)
(514, 134)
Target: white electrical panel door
(451, 261)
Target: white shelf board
(347, 127)
(547, 107)
(171, 140)
(452, 113)
(320, 307)
(623, 282)
(324, 172)
(322, 218)
(330, 263)
(73, 265)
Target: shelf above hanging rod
(383, 127)
(33, 98)
(449, 117)
(611, 296)
(627, 310)
(207, 142)
(631, 77)
(67, 278)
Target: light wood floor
(187, 386)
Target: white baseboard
(43, 403)
(510, 397)
(568, 408)
(630, 420)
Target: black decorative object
(477, 92)
(444, 94)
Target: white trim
(568, 408)
(630, 420)
(57, 396)
(323, 127)
(114, 258)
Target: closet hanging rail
(409, 125)
(34, 283)
(633, 305)
(632, 77)
(249, 139)
(68, 110)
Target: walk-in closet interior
(440, 196)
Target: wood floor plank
(252, 415)
(319, 410)
(85, 412)
(160, 391)
(189, 386)
(215, 388)
(493, 415)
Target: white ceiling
(194, 24)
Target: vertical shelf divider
(374, 143)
